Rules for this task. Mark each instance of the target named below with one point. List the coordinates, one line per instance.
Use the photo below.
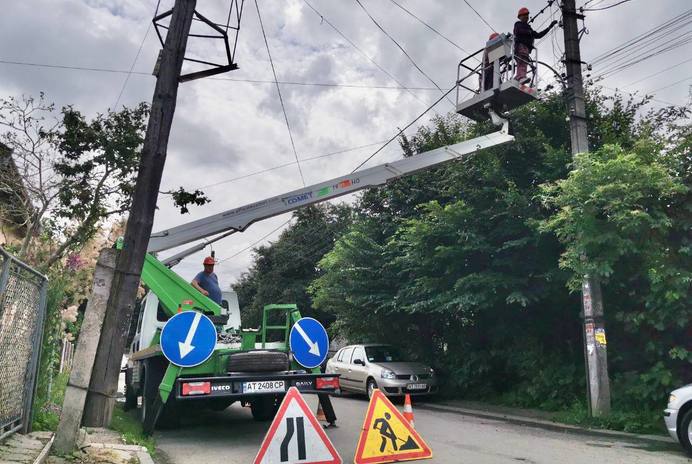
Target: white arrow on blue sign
(309, 342)
(188, 339)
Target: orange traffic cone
(408, 410)
(320, 413)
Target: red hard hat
(209, 260)
(522, 11)
(493, 35)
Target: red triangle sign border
(294, 395)
(425, 452)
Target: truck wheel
(151, 401)
(263, 408)
(685, 432)
(130, 393)
(258, 361)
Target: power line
(250, 81)
(278, 89)
(273, 168)
(359, 50)
(401, 131)
(398, 46)
(659, 72)
(671, 85)
(609, 6)
(253, 243)
(134, 62)
(429, 26)
(479, 15)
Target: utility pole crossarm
(238, 219)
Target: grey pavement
(25, 449)
(232, 437)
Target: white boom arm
(238, 219)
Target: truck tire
(258, 361)
(263, 408)
(168, 416)
(130, 393)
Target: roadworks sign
(295, 436)
(387, 436)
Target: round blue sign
(309, 342)
(188, 339)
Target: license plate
(264, 386)
(417, 386)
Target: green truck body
(249, 365)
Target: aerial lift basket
(505, 93)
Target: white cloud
(225, 129)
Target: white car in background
(678, 416)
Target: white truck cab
(153, 318)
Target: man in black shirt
(524, 36)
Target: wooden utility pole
(595, 352)
(104, 379)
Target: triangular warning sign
(295, 436)
(387, 436)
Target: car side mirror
(359, 361)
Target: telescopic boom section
(239, 219)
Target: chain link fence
(22, 315)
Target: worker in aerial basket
(207, 282)
(488, 68)
(524, 36)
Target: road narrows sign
(295, 436)
(387, 436)
(309, 342)
(188, 339)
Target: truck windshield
(383, 354)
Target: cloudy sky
(225, 128)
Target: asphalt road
(232, 437)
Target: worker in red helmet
(524, 36)
(488, 71)
(207, 282)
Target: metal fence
(22, 316)
(66, 355)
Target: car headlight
(432, 372)
(387, 374)
(672, 399)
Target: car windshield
(383, 354)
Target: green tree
(283, 270)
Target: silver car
(678, 416)
(364, 368)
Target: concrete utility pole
(78, 384)
(104, 379)
(595, 352)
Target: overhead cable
(399, 46)
(278, 89)
(401, 131)
(429, 26)
(134, 62)
(479, 15)
(607, 7)
(359, 50)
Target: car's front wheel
(685, 432)
(372, 385)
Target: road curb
(548, 425)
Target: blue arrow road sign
(309, 342)
(188, 339)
